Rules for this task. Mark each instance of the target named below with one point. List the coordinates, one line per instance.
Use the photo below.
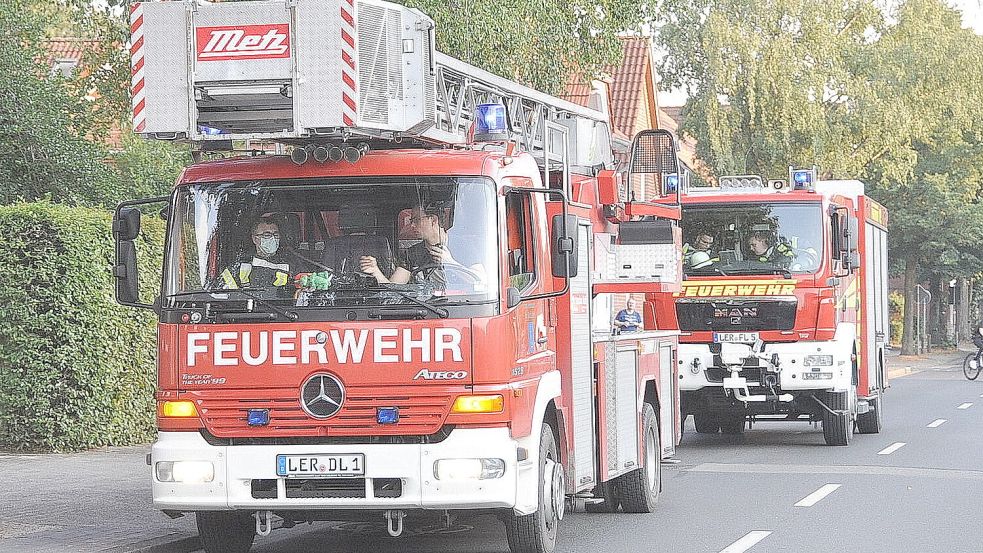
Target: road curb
(901, 371)
(171, 543)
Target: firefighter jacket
(272, 275)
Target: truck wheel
(706, 422)
(226, 531)
(837, 429)
(733, 423)
(871, 421)
(536, 532)
(639, 489)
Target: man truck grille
(735, 316)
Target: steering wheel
(811, 257)
(473, 276)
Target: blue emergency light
(387, 415)
(258, 417)
(802, 179)
(491, 123)
(210, 131)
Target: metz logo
(243, 42)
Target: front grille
(736, 316)
(322, 488)
(421, 413)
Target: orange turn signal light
(479, 404)
(182, 408)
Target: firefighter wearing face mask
(268, 270)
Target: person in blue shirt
(628, 320)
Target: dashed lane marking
(747, 542)
(965, 406)
(862, 470)
(817, 496)
(936, 423)
(892, 448)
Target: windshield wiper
(439, 311)
(245, 292)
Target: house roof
(69, 49)
(628, 84)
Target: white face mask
(268, 246)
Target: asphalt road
(777, 488)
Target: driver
(268, 269)
(766, 249)
(424, 259)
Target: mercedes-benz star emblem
(321, 395)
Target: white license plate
(735, 337)
(319, 465)
(817, 376)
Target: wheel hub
(554, 490)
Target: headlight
(819, 360)
(468, 469)
(187, 472)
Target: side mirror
(126, 223)
(512, 297)
(126, 230)
(850, 257)
(565, 246)
(126, 273)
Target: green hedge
(76, 369)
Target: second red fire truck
(783, 310)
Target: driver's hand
(439, 253)
(369, 265)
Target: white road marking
(936, 423)
(816, 496)
(891, 448)
(747, 542)
(965, 406)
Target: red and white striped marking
(136, 67)
(349, 109)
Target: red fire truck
(783, 310)
(409, 316)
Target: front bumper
(235, 468)
(699, 368)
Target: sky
(972, 18)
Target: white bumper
(794, 373)
(413, 464)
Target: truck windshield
(752, 238)
(321, 244)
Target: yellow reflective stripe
(230, 282)
(244, 270)
(279, 278)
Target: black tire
(609, 493)
(639, 489)
(971, 368)
(871, 421)
(536, 532)
(733, 423)
(837, 429)
(706, 422)
(226, 531)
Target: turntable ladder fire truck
(783, 310)
(408, 318)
